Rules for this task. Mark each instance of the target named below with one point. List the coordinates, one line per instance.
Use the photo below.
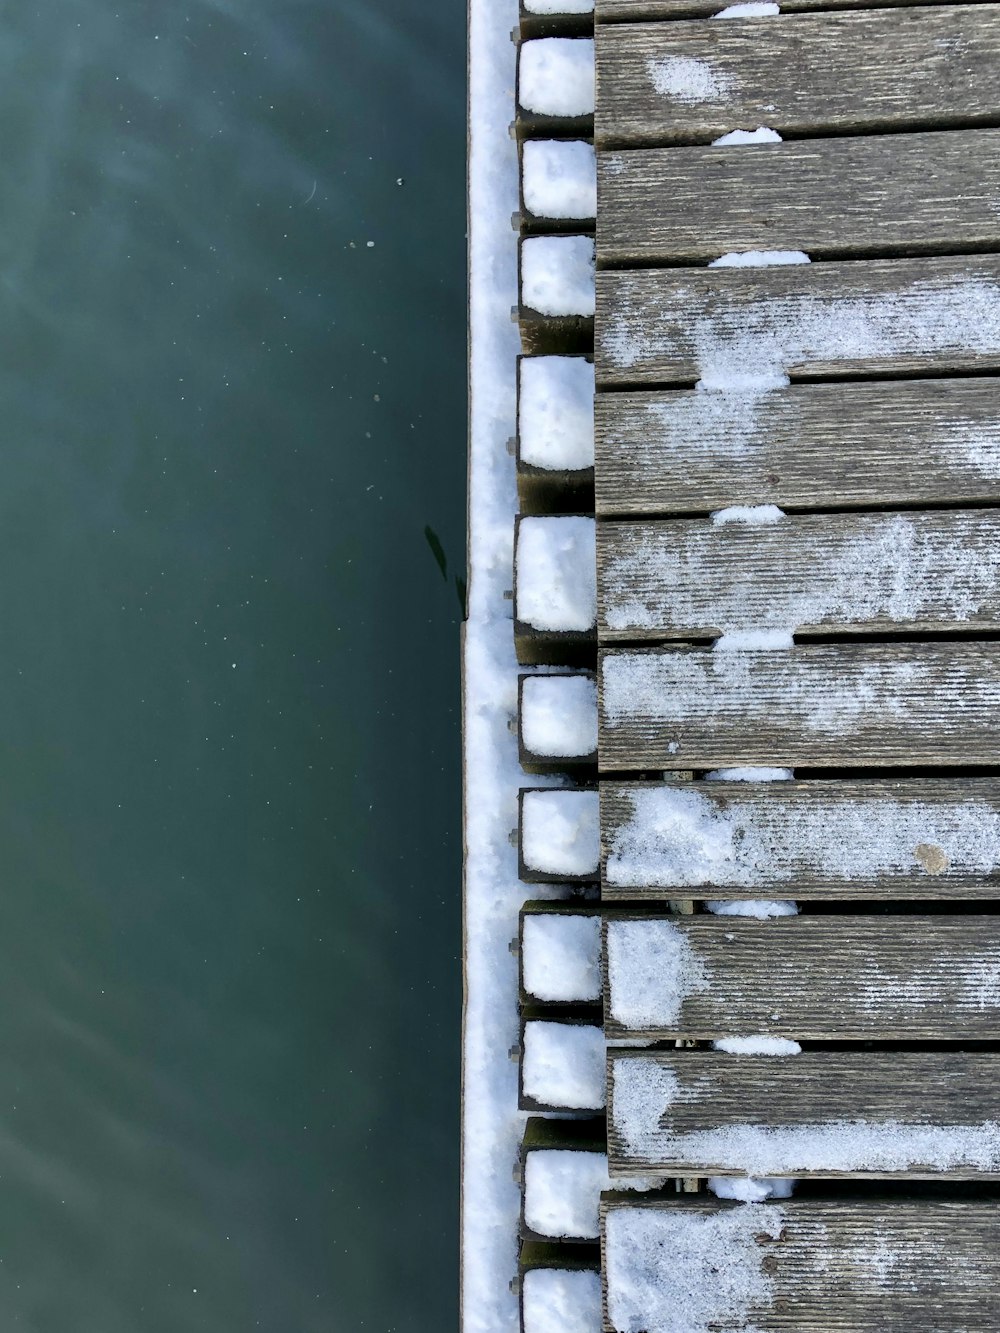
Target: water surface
(232, 388)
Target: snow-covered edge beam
(556, 86)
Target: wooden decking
(794, 496)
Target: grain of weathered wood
(821, 1114)
(811, 446)
(810, 977)
(751, 325)
(856, 72)
(855, 197)
(902, 839)
(635, 11)
(914, 572)
(849, 1264)
(829, 705)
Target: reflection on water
(231, 371)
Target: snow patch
(560, 832)
(688, 80)
(562, 1065)
(753, 516)
(561, 957)
(738, 137)
(559, 6)
(562, 1191)
(556, 412)
(749, 9)
(759, 908)
(748, 1190)
(679, 1271)
(652, 969)
(556, 572)
(759, 258)
(559, 716)
(559, 178)
(556, 76)
(562, 1300)
(757, 1046)
(557, 275)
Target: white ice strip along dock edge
(559, 179)
(555, 77)
(560, 834)
(555, 420)
(562, 1066)
(558, 717)
(557, 276)
(561, 1300)
(561, 957)
(555, 568)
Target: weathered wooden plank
(803, 977)
(828, 1114)
(745, 329)
(856, 72)
(857, 197)
(848, 1264)
(810, 446)
(912, 839)
(636, 11)
(872, 704)
(701, 578)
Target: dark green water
(229, 788)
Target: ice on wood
(562, 1065)
(561, 957)
(560, 832)
(678, 1271)
(556, 571)
(561, 1300)
(559, 716)
(562, 1191)
(683, 838)
(556, 413)
(689, 80)
(556, 76)
(557, 275)
(559, 178)
(652, 969)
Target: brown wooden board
(858, 197)
(810, 446)
(813, 978)
(871, 839)
(819, 706)
(822, 1114)
(857, 72)
(633, 11)
(696, 579)
(746, 327)
(846, 1264)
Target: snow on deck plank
(914, 839)
(860, 196)
(867, 704)
(824, 1114)
(831, 1265)
(911, 572)
(905, 442)
(744, 330)
(863, 71)
(802, 978)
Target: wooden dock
(759, 551)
